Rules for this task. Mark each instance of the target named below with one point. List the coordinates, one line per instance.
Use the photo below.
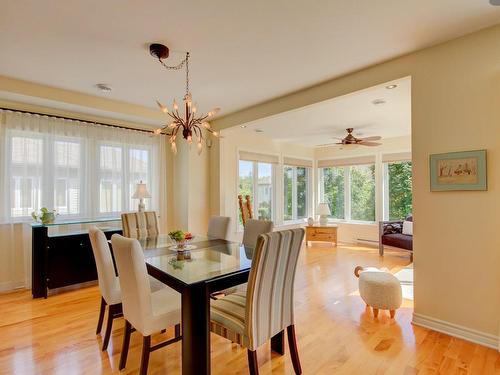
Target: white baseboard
(456, 330)
(11, 285)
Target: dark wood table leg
(278, 343)
(195, 330)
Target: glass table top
(209, 258)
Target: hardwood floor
(336, 333)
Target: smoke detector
(104, 87)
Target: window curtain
(82, 170)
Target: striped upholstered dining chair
(140, 224)
(253, 317)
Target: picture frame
(462, 171)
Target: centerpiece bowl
(181, 240)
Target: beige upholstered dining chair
(217, 227)
(140, 224)
(109, 285)
(253, 229)
(145, 311)
(266, 309)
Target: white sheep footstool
(379, 289)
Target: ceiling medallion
(191, 125)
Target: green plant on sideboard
(44, 216)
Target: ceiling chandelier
(191, 125)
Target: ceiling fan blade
(374, 138)
(373, 144)
(328, 144)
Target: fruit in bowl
(181, 238)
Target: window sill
(353, 222)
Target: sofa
(391, 234)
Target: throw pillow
(408, 228)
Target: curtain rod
(77, 119)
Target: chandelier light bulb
(194, 108)
(200, 147)
(215, 134)
(172, 125)
(157, 131)
(174, 148)
(189, 139)
(162, 107)
(206, 125)
(176, 107)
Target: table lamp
(323, 211)
(141, 192)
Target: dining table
(206, 265)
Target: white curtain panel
(79, 169)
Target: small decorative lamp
(323, 212)
(141, 192)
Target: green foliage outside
(333, 186)
(400, 190)
(301, 192)
(287, 186)
(363, 192)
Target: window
(256, 180)
(26, 174)
(139, 167)
(67, 176)
(296, 192)
(349, 191)
(362, 181)
(111, 179)
(397, 190)
(333, 190)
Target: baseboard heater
(367, 241)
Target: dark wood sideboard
(64, 258)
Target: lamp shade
(323, 209)
(141, 191)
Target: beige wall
(455, 106)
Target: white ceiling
(243, 52)
(318, 123)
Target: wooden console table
(325, 233)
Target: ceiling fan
(349, 139)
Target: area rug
(405, 276)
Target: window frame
(255, 198)
(347, 193)
(295, 218)
(385, 186)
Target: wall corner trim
(456, 330)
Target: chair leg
(112, 311)
(292, 345)
(146, 349)
(253, 366)
(101, 316)
(375, 312)
(393, 313)
(126, 343)
(177, 330)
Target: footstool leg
(393, 313)
(375, 312)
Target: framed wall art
(458, 171)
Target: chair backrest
(253, 228)
(108, 281)
(217, 227)
(140, 224)
(269, 306)
(134, 281)
(245, 208)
